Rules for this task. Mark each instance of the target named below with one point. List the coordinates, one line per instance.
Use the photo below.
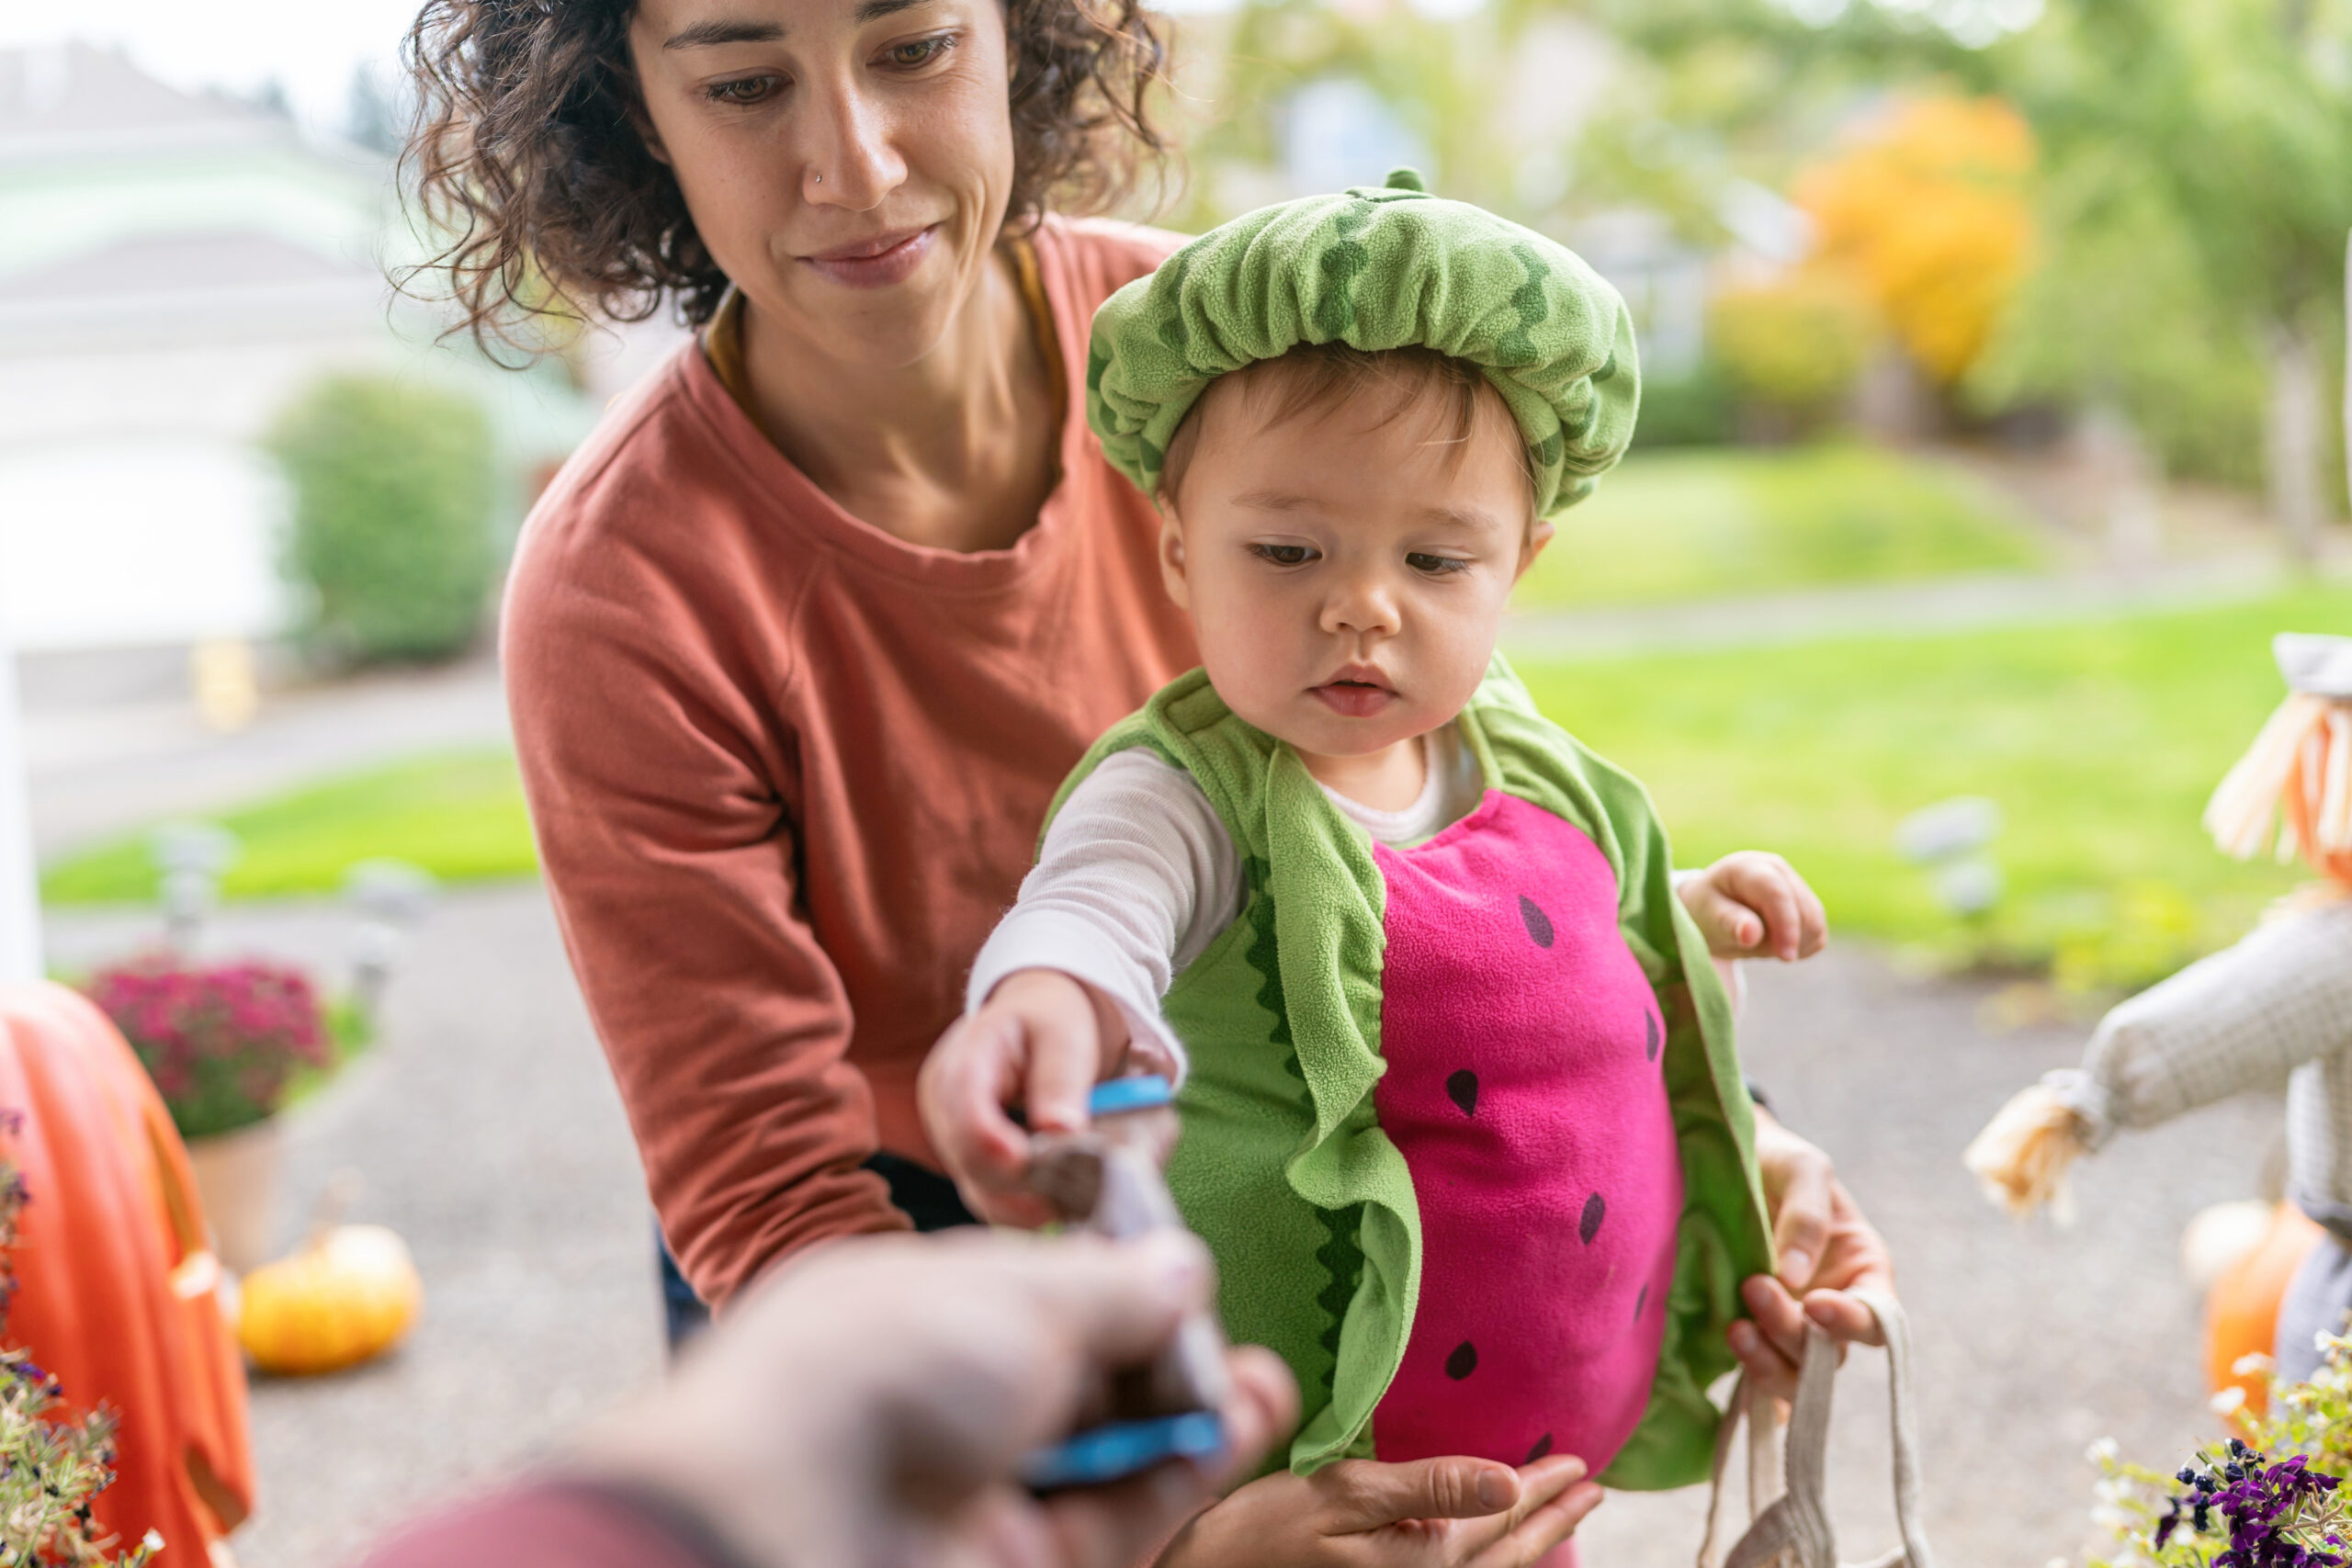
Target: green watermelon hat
(1374, 267)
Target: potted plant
(226, 1044)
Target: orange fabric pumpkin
(347, 1295)
(118, 1290)
(2242, 1309)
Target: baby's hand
(1040, 1039)
(1754, 905)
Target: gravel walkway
(488, 1134)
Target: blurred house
(173, 268)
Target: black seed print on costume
(1539, 924)
(1590, 1226)
(1641, 1300)
(1461, 1088)
(1543, 1446)
(1463, 1362)
(1649, 1028)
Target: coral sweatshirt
(786, 771)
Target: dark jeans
(927, 1198)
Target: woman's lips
(1355, 699)
(877, 263)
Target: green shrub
(394, 488)
(1692, 410)
(1792, 348)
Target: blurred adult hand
(1825, 1248)
(870, 1405)
(1437, 1512)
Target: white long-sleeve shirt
(1138, 875)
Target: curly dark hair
(526, 153)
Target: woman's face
(847, 162)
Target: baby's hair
(1315, 377)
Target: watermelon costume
(1463, 1127)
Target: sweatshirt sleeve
(555, 1524)
(2243, 1019)
(670, 855)
(1137, 876)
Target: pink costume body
(1525, 1091)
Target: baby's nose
(1362, 606)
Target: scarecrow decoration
(2275, 1009)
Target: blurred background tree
(1791, 348)
(1928, 213)
(395, 486)
(2195, 196)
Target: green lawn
(459, 816)
(1714, 523)
(2099, 740)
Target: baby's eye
(1283, 554)
(744, 91)
(1436, 566)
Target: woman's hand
(1435, 1513)
(1825, 1247)
(1754, 905)
(873, 1403)
(1042, 1040)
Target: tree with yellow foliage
(1928, 213)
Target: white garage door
(163, 540)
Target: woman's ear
(1171, 553)
(1539, 534)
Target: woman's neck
(957, 451)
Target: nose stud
(819, 180)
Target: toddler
(1461, 1120)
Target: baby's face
(1347, 574)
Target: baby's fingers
(969, 1076)
(1731, 928)
(1813, 920)
(1768, 885)
(1771, 908)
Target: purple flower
(2276, 1516)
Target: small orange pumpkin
(2242, 1309)
(347, 1296)
(117, 1293)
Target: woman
(801, 642)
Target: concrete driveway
(487, 1132)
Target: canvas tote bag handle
(1794, 1531)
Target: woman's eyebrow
(709, 35)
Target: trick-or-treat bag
(1787, 1487)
